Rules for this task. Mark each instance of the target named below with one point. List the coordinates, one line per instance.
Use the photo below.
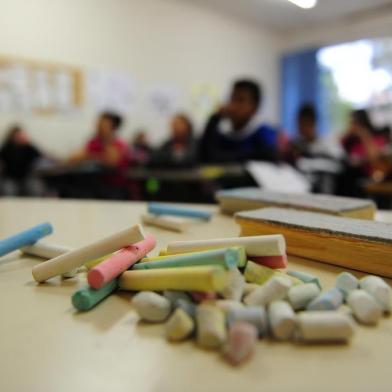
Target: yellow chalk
(91, 264)
(259, 274)
(164, 252)
(205, 279)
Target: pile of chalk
(226, 293)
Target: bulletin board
(39, 87)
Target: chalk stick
(331, 299)
(211, 326)
(165, 222)
(92, 263)
(164, 252)
(249, 287)
(281, 320)
(241, 343)
(365, 308)
(206, 279)
(227, 258)
(25, 238)
(324, 327)
(78, 257)
(179, 327)
(255, 315)
(235, 286)
(305, 277)
(152, 307)
(174, 296)
(187, 306)
(119, 262)
(268, 245)
(199, 297)
(274, 289)
(167, 209)
(86, 298)
(300, 296)
(259, 274)
(357, 244)
(346, 283)
(45, 250)
(241, 262)
(226, 305)
(379, 290)
(274, 262)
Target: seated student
(106, 147)
(235, 134)
(365, 149)
(308, 144)
(180, 150)
(140, 149)
(18, 156)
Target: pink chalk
(241, 342)
(115, 265)
(200, 297)
(274, 262)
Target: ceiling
(282, 15)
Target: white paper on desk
(280, 178)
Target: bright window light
(304, 3)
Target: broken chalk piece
(151, 306)
(165, 222)
(45, 250)
(346, 282)
(274, 262)
(241, 343)
(331, 299)
(365, 308)
(305, 277)
(179, 326)
(379, 289)
(300, 296)
(235, 286)
(255, 315)
(281, 320)
(172, 210)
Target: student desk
(47, 346)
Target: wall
(365, 25)
(155, 41)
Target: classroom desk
(46, 346)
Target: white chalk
(300, 296)
(77, 257)
(165, 222)
(323, 327)
(379, 289)
(266, 245)
(235, 286)
(365, 308)
(346, 282)
(180, 326)
(255, 315)
(331, 299)
(227, 305)
(45, 250)
(273, 290)
(281, 320)
(249, 287)
(211, 326)
(151, 306)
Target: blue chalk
(331, 299)
(25, 238)
(166, 209)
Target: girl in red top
(106, 148)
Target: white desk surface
(46, 346)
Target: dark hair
(254, 89)
(188, 122)
(115, 119)
(361, 116)
(12, 131)
(307, 111)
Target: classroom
(195, 195)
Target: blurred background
(173, 100)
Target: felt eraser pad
(353, 243)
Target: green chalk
(227, 258)
(86, 298)
(305, 277)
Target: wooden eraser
(347, 242)
(243, 199)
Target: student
(308, 144)
(235, 134)
(18, 156)
(365, 149)
(180, 150)
(106, 147)
(140, 149)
